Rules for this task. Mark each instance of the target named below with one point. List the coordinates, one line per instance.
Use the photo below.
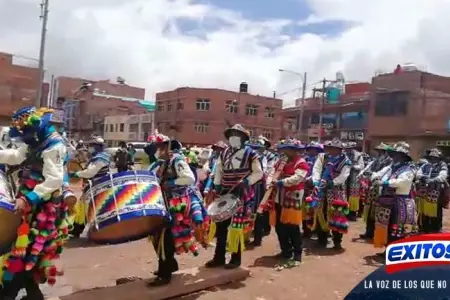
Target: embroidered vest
(231, 176)
(289, 170)
(390, 191)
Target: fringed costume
(260, 220)
(353, 182)
(328, 202)
(185, 205)
(371, 176)
(395, 215)
(312, 151)
(44, 227)
(286, 212)
(431, 185)
(97, 167)
(237, 170)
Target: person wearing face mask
(432, 181)
(353, 184)
(238, 168)
(330, 173)
(312, 151)
(286, 212)
(44, 227)
(98, 166)
(184, 204)
(373, 172)
(395, 215)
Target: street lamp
(302, 107)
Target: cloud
(162, 44)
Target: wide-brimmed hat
(257, 142)
(267, 143)
(350, 145)
(96, 140)
(237, 128)
(219, 144)
(434, 152)
(159, 138)
(315, 145)
(403, 148)
(290, 144)
(334, 143)
(382, 146)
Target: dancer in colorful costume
(353, 184)
(432, 178)
(98, 166)
(210, 167)
(329, 200)
(44, 227)
(286, 211)
(312, 151)
(184, 204)
(237, 170)
(395, 215)
(261, 220)
(371, 175)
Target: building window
(122, 127)
(251, 131)
(203, 104)
(232, 106)
(134, 128)
(159, 106)
(251, 110)
(201, 127)
(111, 128)
(269, 113)
(169, 106)
(180, 105)
(267, 134)
(391, 104)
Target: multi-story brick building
(129, 128)
(17, 87)
(412, 106)
(346, 119)
(86, 103)
(199, 116)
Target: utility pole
(43, 17)
(322, 103)
(302, 108)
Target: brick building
(346, 119)
(198, 116)
(412, 106)
(17, 87)
(87, 102)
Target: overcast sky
(162, 44)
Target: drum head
(10, 221)
(125, 231)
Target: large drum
(223, 208)
(124, 207)
(9, 220)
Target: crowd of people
(249, 186)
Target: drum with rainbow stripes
(124, 207)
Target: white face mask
(235, 142)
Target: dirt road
(324, 274)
